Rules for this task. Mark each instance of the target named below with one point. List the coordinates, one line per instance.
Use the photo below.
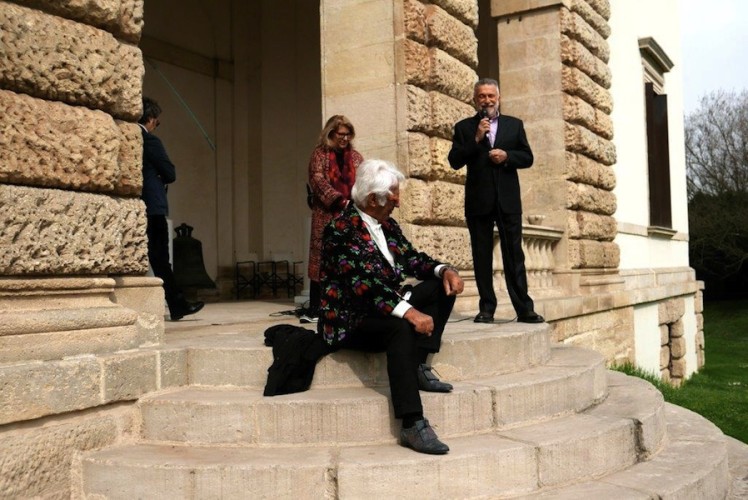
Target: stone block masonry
(72, 228)
(122, 18)
(81, 65)
(555, 74)
(439, 54)
(48, 231)
(51, 144)
(674, 345)
(37, 457)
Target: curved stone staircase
(526, 419)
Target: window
(656, 63)
(659, 158)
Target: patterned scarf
(343, 176)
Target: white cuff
(400, 310)
(437, 270)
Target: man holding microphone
(494, 146)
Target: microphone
(484, 114)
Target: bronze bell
(189, 268)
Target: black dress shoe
(483, 317)
(427, 381)
(530, 318)
(422, 438)
(185, 310)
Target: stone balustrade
(538, 243)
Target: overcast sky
(715, 47)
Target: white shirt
(377, 234)
(493, 129)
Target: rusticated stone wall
(70, 151)
(76, 319)
(588, 135)
(439, 52)
(554, 74)
(122, 18)
(63, 60)
(50, 231)
(674, 343)
(51, 144)
(440, 55)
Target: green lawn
(719, 391)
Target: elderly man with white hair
(364, 306)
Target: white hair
(378, 177)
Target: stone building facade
(79, 318)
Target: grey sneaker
(422, 438)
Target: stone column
(72, 225)
(554, 75)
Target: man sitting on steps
(363, 305)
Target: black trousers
(314, 296)
(158, 255)
(403, 345)
(510, 240)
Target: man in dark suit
(494, 146)
(158, 171)
(363, 303)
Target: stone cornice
(652, 51)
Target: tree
(718, 247)
(717, 179)
(717, 144)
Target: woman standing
(332, 172)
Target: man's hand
(483, 127)
(453, 284)
(498, 156)
(423, 323)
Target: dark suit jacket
(296, 352)
(356, 280)
(158, 171)
(489, 185)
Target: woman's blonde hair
(325, 137)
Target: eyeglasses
(344, 136)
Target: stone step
(572, 380)
(469, 351)
(178, 472)
(737, 454)
(570, 448)
(640, 401)
(693, 465)
(519, 460)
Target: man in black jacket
(494, 146)
(158, 171)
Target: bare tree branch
(717, 144)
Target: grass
(719, 391)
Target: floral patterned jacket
(356, 280)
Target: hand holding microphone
(483, 126)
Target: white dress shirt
(377, 234)
(494, 128)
